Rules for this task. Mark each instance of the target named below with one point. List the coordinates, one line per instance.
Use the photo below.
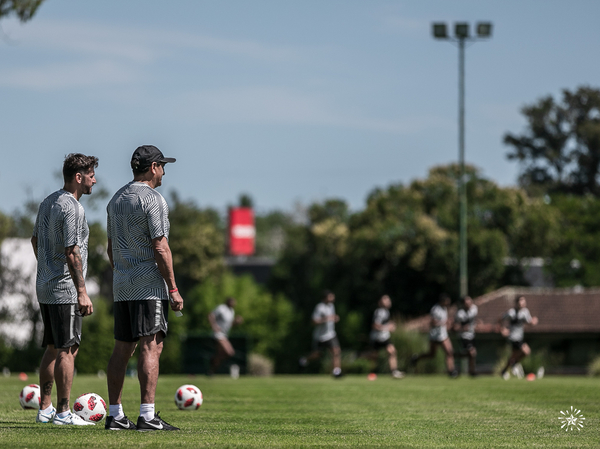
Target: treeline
(404, 242)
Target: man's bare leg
(63, 376)
(447, 346)
(47, 376)
(117, 368)
(148, 366)
(392, 357)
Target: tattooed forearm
(75, 266)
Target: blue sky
(289, 101)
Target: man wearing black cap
(143, 282)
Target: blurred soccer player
(221, 319)
(380, 335)
(512, 326)
(464, 322)
(324, 335)
(60, 242)
(438, 336)
(143, 281)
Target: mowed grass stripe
(300, 411)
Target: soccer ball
(90, 406)
(30, 397)
(188, 397)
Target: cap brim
(166, 160)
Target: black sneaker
(119, 424)
(453, 374)
(155, 424)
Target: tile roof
(558, 310)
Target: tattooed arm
(75, 264)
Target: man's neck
(72, 190)
(150, 182)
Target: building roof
(574, 310)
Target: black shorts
(516, 345)
(380, 344)
(467, 344)
(331, 344)
(135, 319)
(62, 325)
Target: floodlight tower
(461, 36)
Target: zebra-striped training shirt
(60, 223)
(137, 213)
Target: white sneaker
(71, 420)
(506, 375)
(540, 372)
(518, 371)
(396, 374)
(45, 417)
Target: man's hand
(176, 301)
(504, 332)
(84, 304)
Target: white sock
(147, 411)
(64, 414)
(116, 411)
(48, 410)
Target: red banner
(241, 231)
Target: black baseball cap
(146, 154)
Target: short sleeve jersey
(466, 318)
(324, 331)
(440, 314)
(224, 317)
(60, 223)
(136, 215)
(516, 323)
(381, 316)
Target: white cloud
(96, 55)
(140, 44)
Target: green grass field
(300, 411)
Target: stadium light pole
(461, 36)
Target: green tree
(23, 9)
(267, 316)
(405, 243)
(559, 151)
(97, 339)
(197, 242)
(576, 259)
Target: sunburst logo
(571, 419)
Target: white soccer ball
(90, 406)
(188, 397)
(30, 397)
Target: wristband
(174, 290)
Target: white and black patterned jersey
(440, 314)
(224, 316)
(466, 319)
(136, 214)
(516, 322)
(60, 223)
(381, 316)
(324, 331)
